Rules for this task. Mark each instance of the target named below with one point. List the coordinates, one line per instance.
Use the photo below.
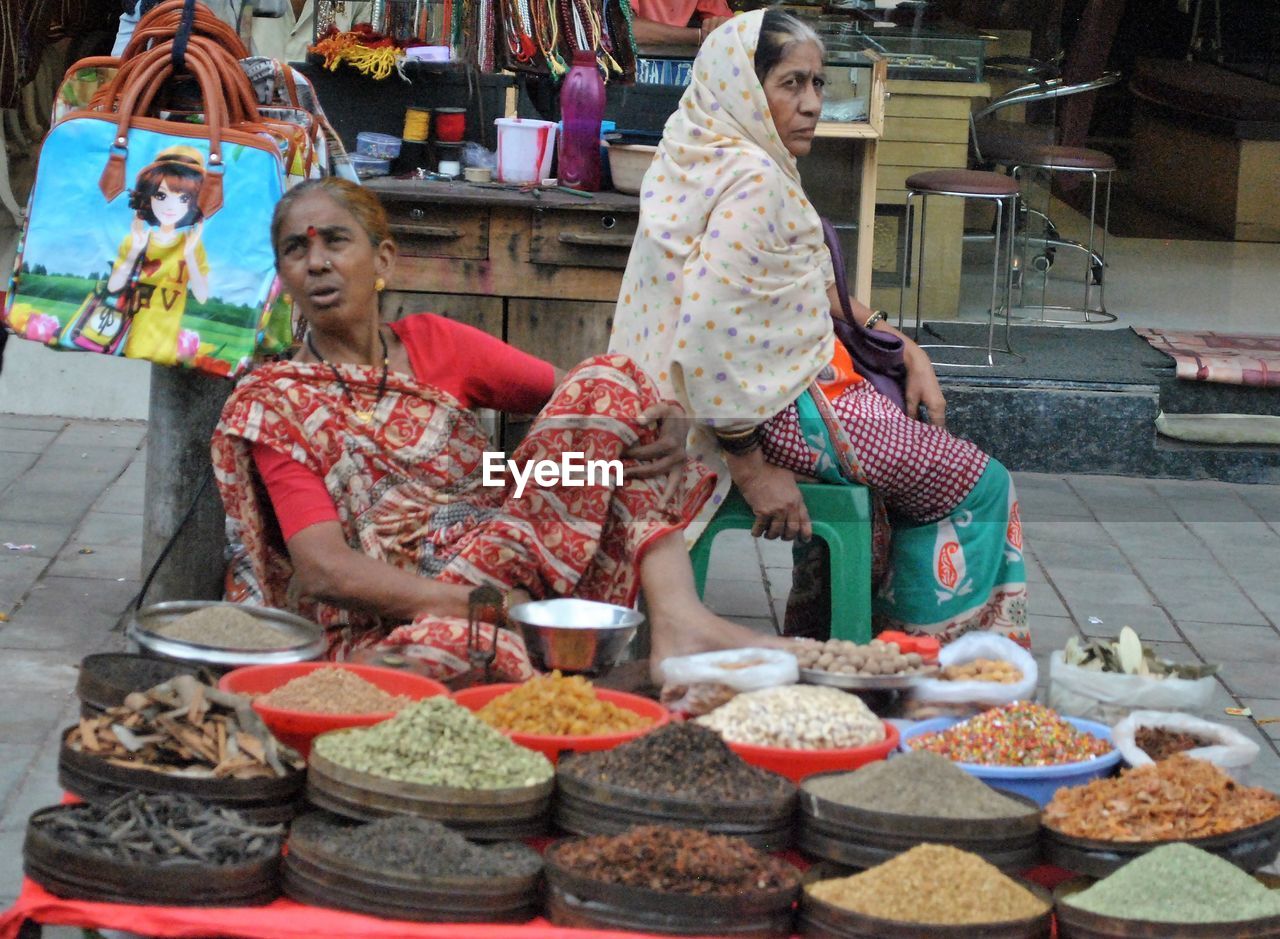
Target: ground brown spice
(933, 884)
(675, 860)
(333, 691)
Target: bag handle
(163, 19)
(112, 181)
(242, 104)
(832, 238)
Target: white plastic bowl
(628, 162)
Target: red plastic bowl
(551, 745)
(797, 764)
(296, 728)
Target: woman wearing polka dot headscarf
(726, 302)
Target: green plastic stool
(841, 516)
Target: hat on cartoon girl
(178, 156)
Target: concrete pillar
(184, 409)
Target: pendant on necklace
(364, 417)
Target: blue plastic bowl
(1034, 782)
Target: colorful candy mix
(1016, 734)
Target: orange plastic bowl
(296, 728)
(797, 764)
(552, 745)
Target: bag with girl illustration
(149, 237)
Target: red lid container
(552, 745)
(797, 764)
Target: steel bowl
(302, 640)
(574, 635)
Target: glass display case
(849, 70)
(912, 53)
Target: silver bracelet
(874, 318)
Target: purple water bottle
(581, 110)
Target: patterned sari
(408, 487)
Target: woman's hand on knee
(923, 388)
(664, 455)
(773, 496)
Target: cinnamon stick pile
(186, 727)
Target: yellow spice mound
(933, 884)
(556, 705)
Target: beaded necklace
(362, 416)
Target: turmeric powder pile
(558, 705)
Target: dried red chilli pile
(1016, 734)
(675, 860)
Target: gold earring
(379, 285)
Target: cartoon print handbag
(195, 220)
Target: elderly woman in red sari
(354, 475)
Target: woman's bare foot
(699, 630)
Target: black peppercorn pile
(682, 760)
(675, 860)
(415, 846)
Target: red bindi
(311, 231)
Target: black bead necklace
(361, 415)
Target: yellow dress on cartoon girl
(163, 285)
(164, 246)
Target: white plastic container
(525, 148)
(378, 146)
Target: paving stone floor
(1190, 565)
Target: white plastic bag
(1109, 696)
(697, 684)
(1231, 750)
(933, 696)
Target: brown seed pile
(675, 860)
(561, 706)
(225, 627)
(934, 884)
(333, 691)
(1004, 673)
(842, 657)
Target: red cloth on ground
(286, 919)
(678, 12)
(480, 370)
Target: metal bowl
(303, 641)
(574, 635)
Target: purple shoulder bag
(876, 355)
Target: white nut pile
(798, 717)
(842, 657)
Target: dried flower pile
(1174, 799)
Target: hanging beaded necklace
(362, 416)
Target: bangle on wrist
(876, 317)
(737, 443)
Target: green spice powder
(436, 742)
(1177, 883)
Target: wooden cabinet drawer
(424, 230)
(582, 238)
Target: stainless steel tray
(306, 640)
(816, 676)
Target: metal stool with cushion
(841, 516)
(1095, 165)
(966, 184)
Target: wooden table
(540, 270)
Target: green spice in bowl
(436, 742)
(1177, 883)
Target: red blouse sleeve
(480, 370)
(297, 494)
